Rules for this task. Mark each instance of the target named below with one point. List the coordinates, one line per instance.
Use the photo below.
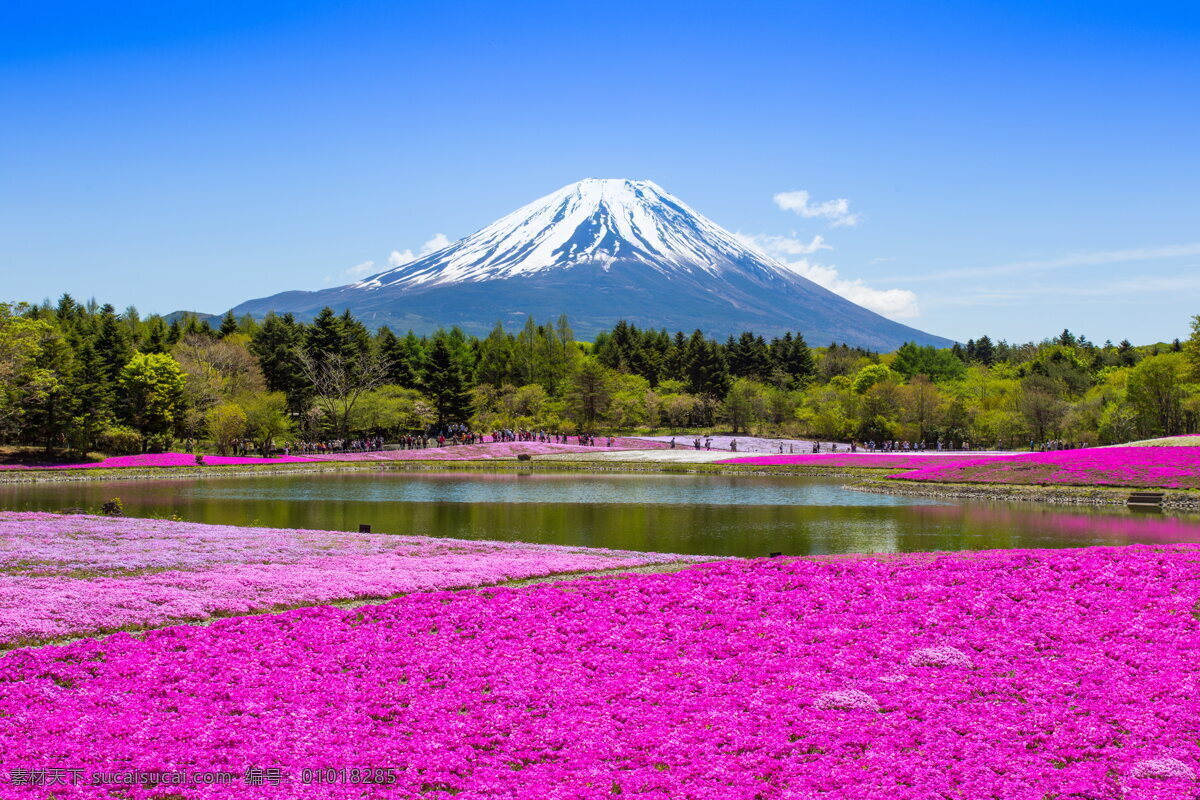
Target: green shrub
(119, 440)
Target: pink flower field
(1005, 674)
(66, 576)
(1135, 467)
(488, 451)
(164, 460)
(858, 460)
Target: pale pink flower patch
(847, 700)
(939, 657)
(1163, 769)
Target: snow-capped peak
(592, 221)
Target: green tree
(1041, 405)
(267, 420)
(494, 365)
(93, 399)
(20, 346)
(1191, 350)
(229, 325)
(152, 387)
(112, 344)
(707, 372)
(939, 365)
(590, 393)
(277, 344)
(1157, 390)
(445, 382)
(870, 375)
(226, 423)
(745, 405)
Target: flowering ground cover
(1005, 674)
(163, 460)
(1136, 467)
(488, 451)
(656, 456)
(859, 460)
(76, 575)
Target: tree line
(81, 377)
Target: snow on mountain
(601, 251)
(594, 220)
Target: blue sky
(1007, 168)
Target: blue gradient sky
(1018, 167)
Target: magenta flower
(1135, 467)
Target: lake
(705, 514)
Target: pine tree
(985, 353)
(156, 337)
(707, 372)
(277, 343)
(229, 325)
(356, 340)
(445, 384)
(793, 357)
(112, 344)
(93, 398)
(324, 336)
(494, 366)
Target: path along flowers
(1004, 674)
(1138, 467)
(77, 575)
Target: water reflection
(717, 515)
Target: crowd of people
(1055, 444)
(364, 444)
(447, 436)
(585, 439)
(896, 445)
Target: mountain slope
(601, 251)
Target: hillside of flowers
(486, 451)
(161, 460)
(66, 576)
(858, 460)
(1005, 674)
(1134, 467)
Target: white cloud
(399, 257)
(776, 246)
(358, 270)
(836, 211)
(893, 303)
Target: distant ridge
(603, 250)
(175, 316)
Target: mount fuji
(601, 251)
